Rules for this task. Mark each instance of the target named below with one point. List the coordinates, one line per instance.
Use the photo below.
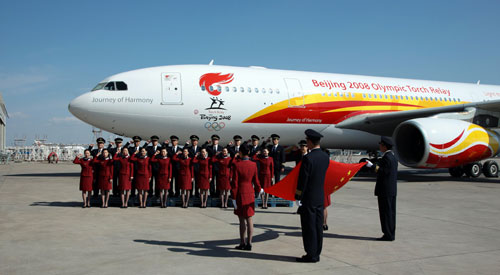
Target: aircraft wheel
(490, 169)
(456, 172)
(473, 170)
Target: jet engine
(443, 143)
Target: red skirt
(162, 182)
(265, 180)
(223, 182)
(124, 182)
(86, 183)
(203, 182)
(328, 201)
(245, 211)
(141, 182)
(185, 182)
(104, 183)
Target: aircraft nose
(78, 106)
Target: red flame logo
(207, 80)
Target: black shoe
(385, 239)
(240, 247)
(306, 259)
(248, 247)
(325, 227)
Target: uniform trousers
(387, 212)
(311, 220)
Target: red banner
(337, 175)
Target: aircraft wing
(385, 123)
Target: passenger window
(235, 89)
(263, 90)
(369, 96)
(203, 87)
(270, 91)
(249, 89)
(364, 95)
(256, 90)
(277, 91)
(227, 89)
(242, 89)
(219, 88)
(110, 86)
(211, 88)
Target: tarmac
(444, 226)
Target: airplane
(433, 124)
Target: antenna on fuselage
(479, 81)
(211, 62)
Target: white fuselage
(174, 100)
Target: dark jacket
(387, 175)
(278, 156)
(310, 185)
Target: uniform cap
(174, 138)
(302, 143)
(194, 137)
(386, 141)
(215, 137)
(137, 138)
(117, 140)
(254, 137)
(313, 135)
(155, 137)
(275, 136)
(237, 137)
(100, 140)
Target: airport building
(3, 122)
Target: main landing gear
(474, 170)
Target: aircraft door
(295, 93)
(171, 90)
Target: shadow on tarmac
(45, 175)
(58, 203)
(216, 249)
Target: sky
(53, 51)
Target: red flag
(337, 175)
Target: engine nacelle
(443, 143)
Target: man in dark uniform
(193, 149)
(212, 150)
(94, 152)
(277, 152)
(310, 197)
(386, 189)
(235, 149)
(254, 147)
(155, 166)
(134, 149)
(113, 152)
(296, 155)
(171, 151)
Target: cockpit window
(121, 86)
(99, 86)
(111, 86)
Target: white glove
(369, 164)
(261, 192)
(298, 203)
(234, 205)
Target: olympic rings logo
(214, 126)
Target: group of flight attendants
(166, 169)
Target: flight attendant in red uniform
(245, 183)
(204, 175)
(186, 175)
(105, 176)
(142, 175)
(86, 176)
(164, 175)
(224, 175)
(125, 174)
(266, 172)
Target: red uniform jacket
(225, 165)
(143, 169)
(185, 167)
(244, 175)
(165, 165)
(87, 165)
(266, 165)
(205, 166)
(105, 167)
(126, 167)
